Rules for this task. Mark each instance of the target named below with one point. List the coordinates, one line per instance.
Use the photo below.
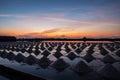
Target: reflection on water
(61, 60)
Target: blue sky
(24, 18)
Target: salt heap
(88, 57)
(19, 57)
(67, 49)
(42, 48)
(23, 50)
(58, 48)
(103, 51)
(13, 49)
(50, 48)
(36, 52)
(83, 46)
(111, 49)
(4, 54)
(96, 64)
(78, 45)
(82, 68)
(73, 46)
(109, 72)
(17, 49)
(90, 51)
(118, 53)
(30, 60)
(108, 59)
(71, 55)
(0, 52)
(29, 50)
(60, 64)
(58, 54)
(46, 53)
(117, 66)
(78, 50)
(10, 56)
(44, 62)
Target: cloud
(13, 15)
(5, 15)
(50, 31)
(31, 35)
(34, 15)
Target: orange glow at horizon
(51, 19)
(59, 34)
(66, 32)
(71, 30)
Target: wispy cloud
(75, 31)
(5, 15)
(13, 15)
(50, 31)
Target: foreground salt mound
(108, 59)
(117, 66)
(96, 64)
(67, 49)
(73, 46)
(60, 64)
(88, 57)
(10, 56)
(23, 50)
(90, 50)
(103, 51)
(29, 50)
(44, 62)
(30, 60)
(58, 54)
(3, 54)
(109, 72)
(50, 48)
(71, 56)
(46, 53)
(78, 50)
(82, 68)
(37, 52)
(19, 57)
(42, 48)
(118, 53)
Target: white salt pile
(44, 62)
(19, 57)
(109, 72)
(108, 59)
(82, 68)
(71, 56)
(60, 64)
(30, 60)
(46, 53)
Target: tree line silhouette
(12, 38)
(7, 38)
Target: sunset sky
(60, 18)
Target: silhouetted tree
(84, 39)
(7, 38)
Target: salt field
(63, 60)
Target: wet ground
(63, 60)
